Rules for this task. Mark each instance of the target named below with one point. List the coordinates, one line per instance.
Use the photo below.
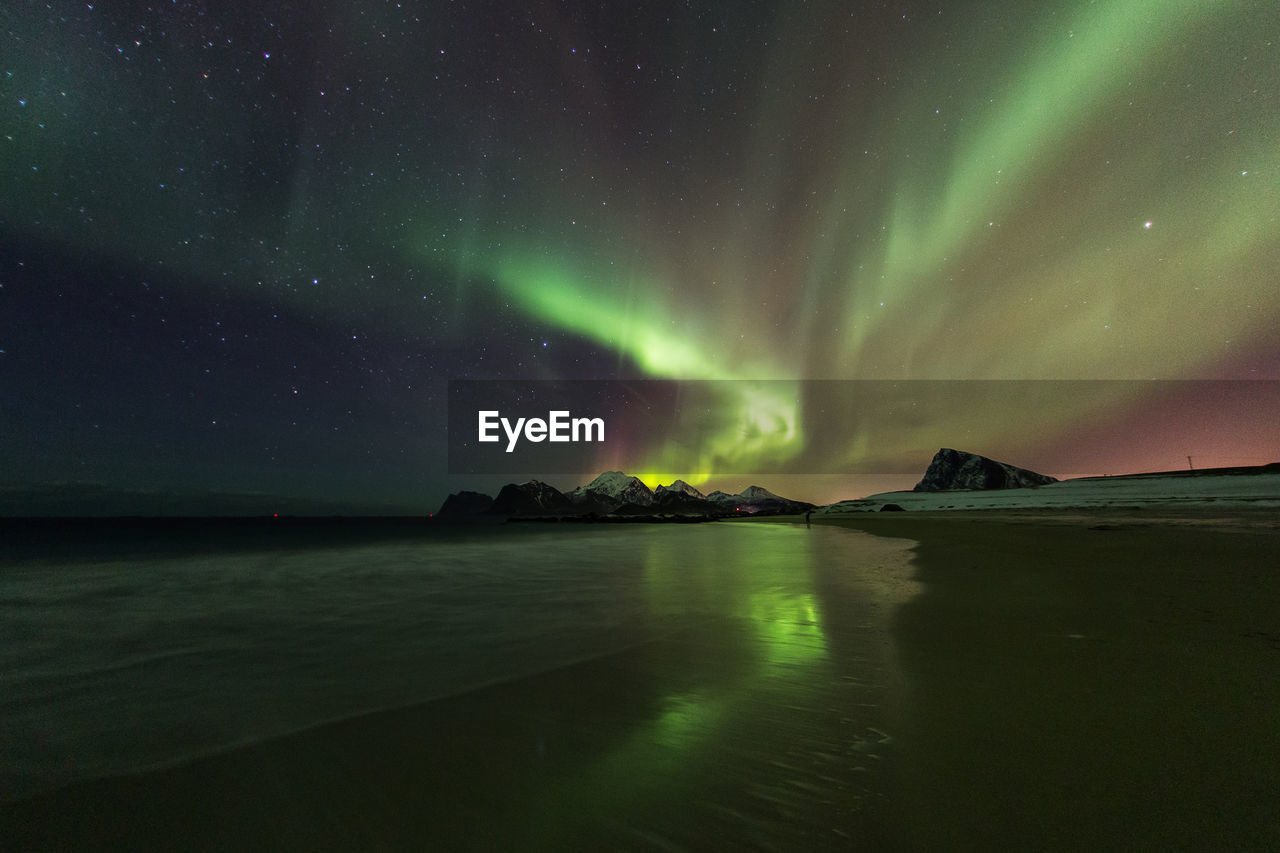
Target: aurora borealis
(244, 248)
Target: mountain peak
(614, 487)
(530, 498)
(757, 493)
(609, 479)
(617, 492)
(679, 487)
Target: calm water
(776, 673)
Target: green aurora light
(1067, 200)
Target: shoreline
(358, 770)
(1093, 679)
(1237, 518)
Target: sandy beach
(1097, 679)
(1087, 681)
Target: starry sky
(244, 247)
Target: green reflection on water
(761, 576)
(733, 710)
(686, 717)
(753, 582)
(788, 628)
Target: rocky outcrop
(955, 470)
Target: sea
(736, 678)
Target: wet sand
(478, 771)
(1092, 680)
(1097, 681)
(594, 756)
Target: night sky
(244, 246)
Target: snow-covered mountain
(613, 487)
(756, 499)
(614, 492)
(747, 495)
(679, 487)
(759, 493)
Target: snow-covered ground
(1156, 490)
